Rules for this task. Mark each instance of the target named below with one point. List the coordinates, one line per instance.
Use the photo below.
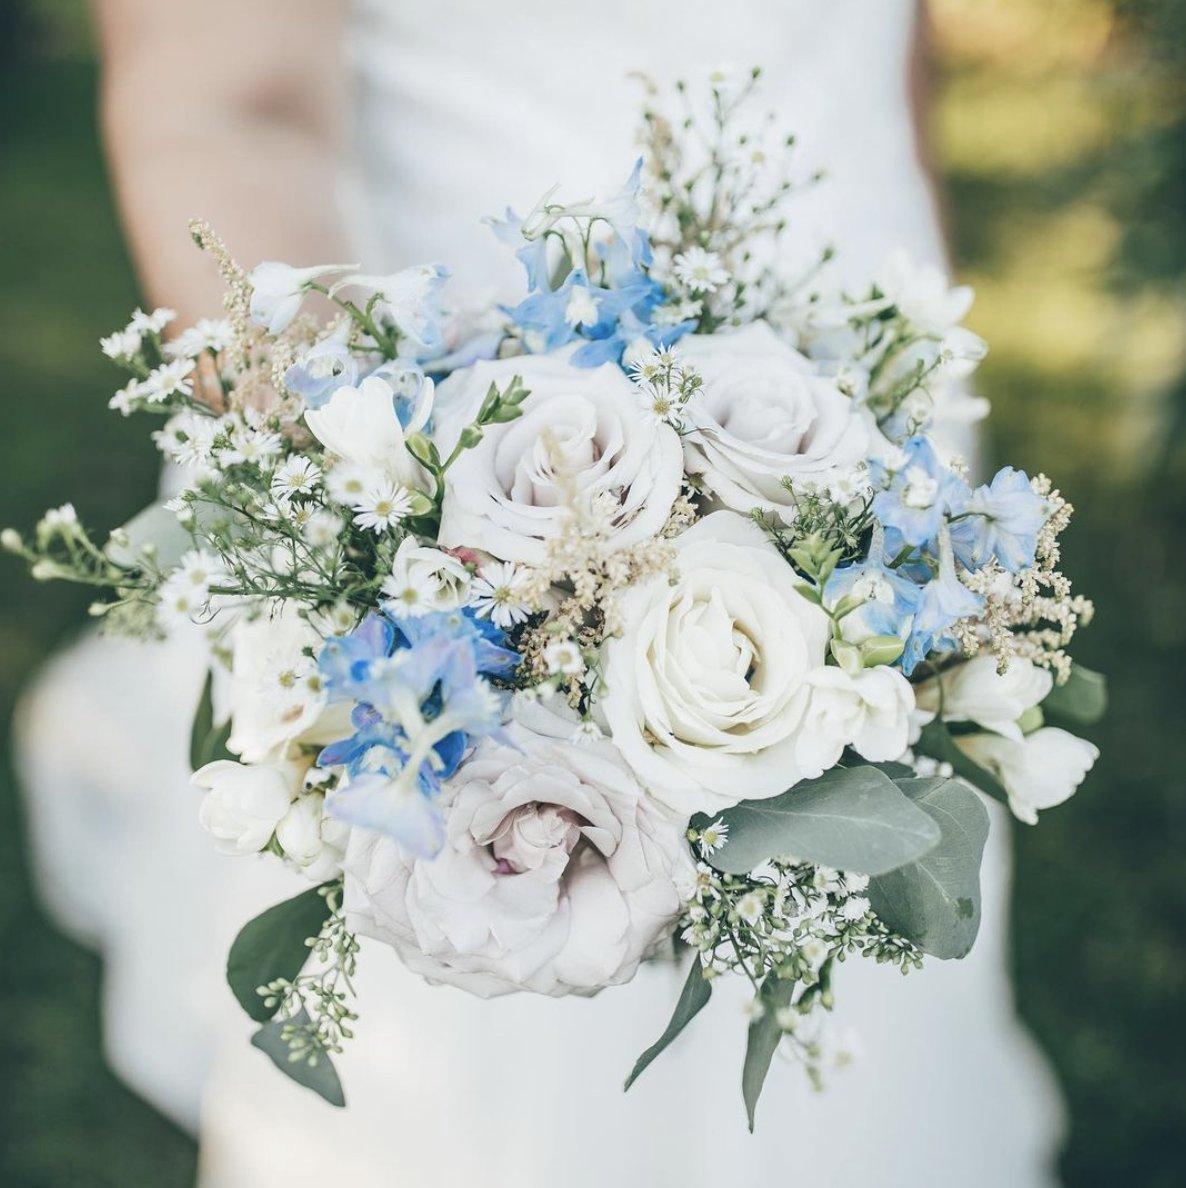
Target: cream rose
(763, 415)
(579, 426)
(556, 876)
(706, 689)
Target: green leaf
(321, 1077)
(851, 818)
(935, 902)
(692, 999)
(207, 741)
(273, 946)
(936, 742)
(1081, 701)
(762, 1041)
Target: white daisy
(208, 334)
(126, 399)
(199, 569)
(170, 379)
(564, 656)
(180, 600)
(151, 323)
(750, 907)
(713, 836)
(121, 345)
(382, 506)
(321, 528)
(496, 593)
(251, 447)
(347, 482)
(700, 270)
(295, 476)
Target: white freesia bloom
(244, 802)
(424, 579)
(869, 711)
(580, 434)
(975, 692)
(406, 298)
(359, 426)
(277, 291)
(1041, 771)
(706, 688)
(922, 294)
(276, 694)
(311, 839)
(763, 415)
(556, 876)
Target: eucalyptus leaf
(1082, 700)
(273, 946)
(207, 741)
(692, 1000)
(321, 1077)
(762, 1041)
(935, 902)
(936, 742)
(851, 818)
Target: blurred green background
(1060, 128)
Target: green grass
(64, 1118)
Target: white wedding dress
(462, 106)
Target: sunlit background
(1060, 129)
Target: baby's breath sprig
(314, 1006)
(793, 920)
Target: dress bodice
(464, 106)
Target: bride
(383, 131)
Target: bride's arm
(229, 110)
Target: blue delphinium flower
(610, 312)
(1001, 520)
(421, 696)
(890, 600)
(322, 370)
(918, 495)
(943, 602)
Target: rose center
(532, 834)
(769, 419)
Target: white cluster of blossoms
(795, 921)
(500, 606)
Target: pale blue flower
(1001, 520)
(324, 368)
(919, 494)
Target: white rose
(359, 426)
(556, 876)
(580, 427)
(869, 711)
(764, 415)
(311, 839)
(423, 580)
(976, 692)
(705, 690)
(1041, 771)
(245, 802)
(275, 692)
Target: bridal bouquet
(646, 614)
